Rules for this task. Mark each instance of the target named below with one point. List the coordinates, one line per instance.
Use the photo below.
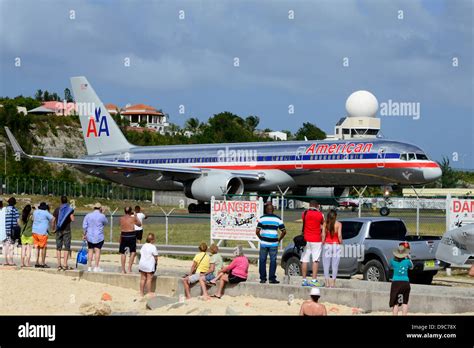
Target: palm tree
(192, 125)
(39, 95)
(252, 122)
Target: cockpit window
(411, 157)
(404, 157)
(421, 156)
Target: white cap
(315, 292)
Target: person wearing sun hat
(400, 288)
(312, 307)
(93, 233)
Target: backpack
(63, 217)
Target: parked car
(368, 245)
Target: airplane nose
(432, 174)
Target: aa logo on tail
(101, 122)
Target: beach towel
(64, 212)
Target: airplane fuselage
(337, 163)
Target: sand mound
(99, 309)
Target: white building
(361, 120)
(277, 135)
(141, 114)
(20, 109)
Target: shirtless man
(128, 237)
(312, 307)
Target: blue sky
(283, 61)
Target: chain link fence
(16, 185)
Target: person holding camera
(313, 219)
(148, 263)
(400, 288)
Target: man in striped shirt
(267, 231)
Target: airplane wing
(184, 171)
(457, 245)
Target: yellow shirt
(203, 264)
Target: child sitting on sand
(148, 263)
(400, 289)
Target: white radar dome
(362, 104)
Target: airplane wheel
(192, 208)
(384, 211)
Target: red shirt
(312, 225)
(332, 239)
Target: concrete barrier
(385, 287)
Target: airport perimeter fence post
(360, 195)
(282, 193)
(417, 209)
(112, 223)
(166, 223)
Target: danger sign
(234, 220)
(459, 212)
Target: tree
(55, 97)
(252, 122)
(192, 124)
(310, 131)
(46, 96)
(173, 129)
(449, 177)
(288, 134)
(226, 127)
(39, 95)
(68, 96)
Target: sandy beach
(45, 293)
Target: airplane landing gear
(384, 211)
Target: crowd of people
(31, 228)
(35, 224)
(322, 239)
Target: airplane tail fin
(101, 133)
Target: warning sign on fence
(460, 212)
(235, 220)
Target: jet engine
(213, 184)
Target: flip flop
(219, 297)
(60, 268)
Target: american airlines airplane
(308, 168)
